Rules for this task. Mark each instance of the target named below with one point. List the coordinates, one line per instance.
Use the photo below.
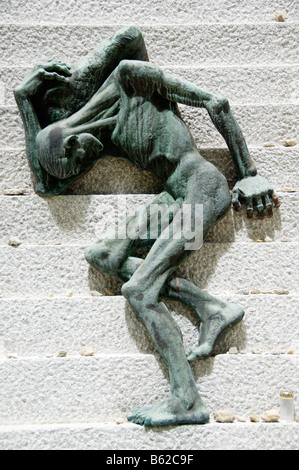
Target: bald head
(52, 153)
(63, 153)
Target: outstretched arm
(146, 79)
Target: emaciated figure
(114, 102)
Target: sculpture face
(52, 153)
(62, 153)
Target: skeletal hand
(257, 192)
(49, 71)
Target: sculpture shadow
(115, 175)
(257, 229)
(73, 214)
(185, 317)
(189, 324)
(69, 214)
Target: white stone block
(125, 436)
(250, 58)
(213, 44)
(278, 164)
(240, 84)
(231, 268)
(171, 12)
(41, 327)
(101, 388)
(78, 219)
(260, 124)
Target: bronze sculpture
(114, 102)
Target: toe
(191, 356)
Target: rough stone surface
(111, 436)
(37, 327)
(259, 123)
(57, 390)
(211, 45)
(277, 164)
(61, 269)
(85, 219)
(149, 11)
(239, 83)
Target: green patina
(113, 102)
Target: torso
(149, 131)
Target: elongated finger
(235, 201)
(260, 207)
(269, 206)
(58, 67)
(55, 76)
(276, 201)
(249, 203)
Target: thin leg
(143, 291)
(111, 257)
(184, 405)
(145, 287)
(216, 316)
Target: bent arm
(220, 113)
(84, 79)
(91, 71)
(32, 128)
(145, 79)
(46, 184)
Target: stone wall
(50, 299)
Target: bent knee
(101, 257)
(137, 295)
(93, 254)
(137, 75)
(132, 291)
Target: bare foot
(213, 328)
(171, 412)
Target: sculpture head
(62, 153)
